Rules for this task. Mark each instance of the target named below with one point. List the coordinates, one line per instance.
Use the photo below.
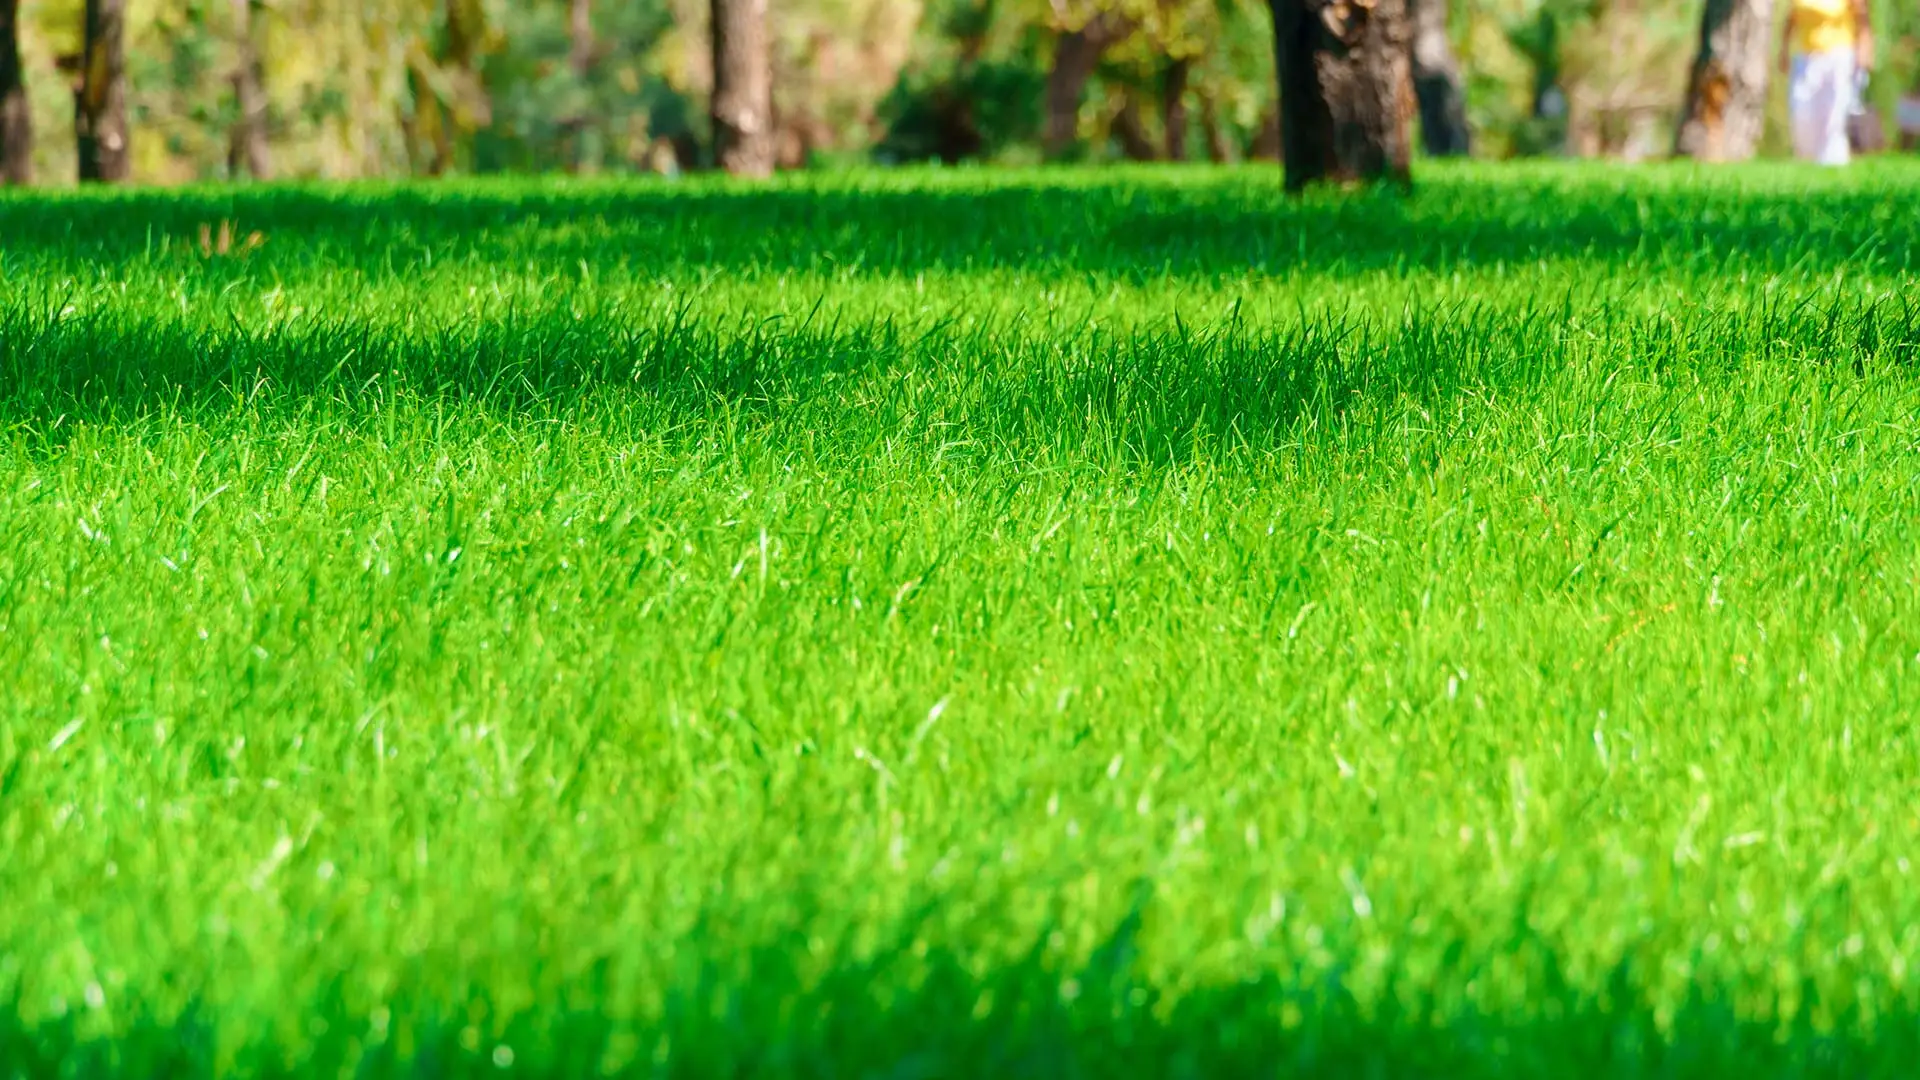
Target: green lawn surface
(962, 624)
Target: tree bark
(1219, 148)
(1131, 133)
(1173, 108)
(1346, 90)
(1266, 137)
(742, 106)
(580, 54)
(1725, 108)
(1436, 83)
(468, 107)
(100, 102)
(248, 151)
(1075, 55)
(16, 118)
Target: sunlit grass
(963, 624)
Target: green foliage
(1537, 39)
(981, 109)
(952, 624)
(363, 88)
(969, 92)
(547, 112)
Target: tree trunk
(1725, 107)
(100, 102)
(1219, 148)
(1173, 109)
(1131, 133)
(466, 107)
(1346, 90)
(1266, 137)
(248, 151)
(580, 52)
(1436, 82)
(1075, 55)
(16, 118)
(742, 88)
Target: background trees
(16, 119)
(212, 89)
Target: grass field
(964, 624)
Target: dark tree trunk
(1219, 147)
(1173, 108)
(742, 88)
(248, 151)
(1726, 103)
(16, 119)
(100, 102)
(1346, 90)
(468, 106)
(1436, 82)
(1075, 56)
(1266, 138)
(1131, 133)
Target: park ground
(961, 623)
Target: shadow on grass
(1121, 225)
(925, 1014)
(1156, 394)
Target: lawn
(959, 623)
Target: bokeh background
(378, 88)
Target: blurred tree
(1173, 106)
(1235, 87)
(352, 88)
(248, 152)
(972, 87)
(450, 99)
(1346, 90)
(1158, 62)
(742, 103)
(580, 88)
(1166, 57)
(1436, 82)
(1082, 39)
(1537, 39)
(100, 100)
(16, 118)
(581, 157)
(1724, 112)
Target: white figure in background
(1827, 50)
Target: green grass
(963, 624)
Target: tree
(742, 105)
(1173, 107)
(16, 118)
(100, 101)
(1436, 82)
(580, 54)
(1076, 53)
(1725, 107)
(1346, 90)
(248, 150)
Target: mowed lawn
(954, 624)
